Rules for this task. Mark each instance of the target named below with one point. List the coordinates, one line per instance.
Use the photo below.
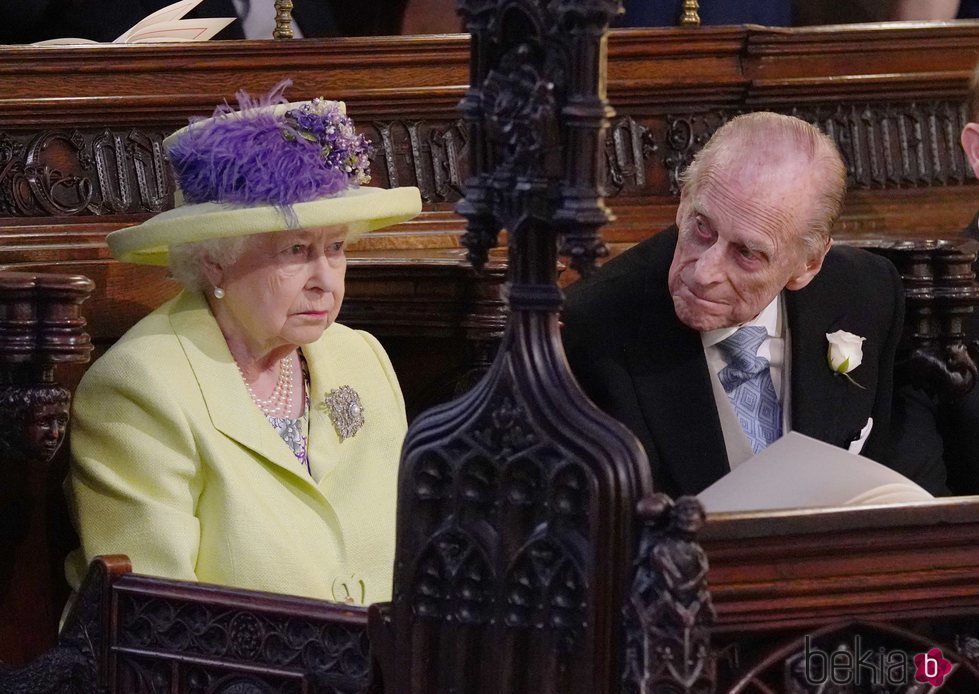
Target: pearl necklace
(278, 403)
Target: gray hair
(187, 259)
(752, 130)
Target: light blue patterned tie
(747, 380)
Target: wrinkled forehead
(783, 178)
(760, 165)
(749, 195)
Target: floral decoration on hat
(325, 124)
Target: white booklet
(798, 472)
(164, 25)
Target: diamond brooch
(346, 411)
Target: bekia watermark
(931, 667)
(854, 664)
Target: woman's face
(285, 289)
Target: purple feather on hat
(255, 157)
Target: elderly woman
(238, 435)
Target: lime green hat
(269, 166)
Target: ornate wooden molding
(172, 636)
(429, 154)
(56, 173)
(132, 633)
(887, 146)
(79, 662)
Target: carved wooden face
(44, 430)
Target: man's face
(739, 242)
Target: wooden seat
(132, 633)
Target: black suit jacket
(640, 364)
(956, 422)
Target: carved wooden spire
(515, 508)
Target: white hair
(751, 130)
(187, 259)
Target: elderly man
(709, 340)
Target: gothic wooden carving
(40, 327)
(130, 633)
(854, 657)
(669, 615)
(897, 145)
(66, 173)
(515, 501)
(76, 173)
(78, 663)
(627, 148)
(890, 145)
(885, 145)
(172, 636)
(430, 155)
(941, 294)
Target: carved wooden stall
(132, 633)
(41, 328)
(515, 502)
(81, 157)
(883, 584)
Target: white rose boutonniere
(845, 353)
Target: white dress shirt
(775, 348)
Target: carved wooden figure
(40, 327)
(669, 614)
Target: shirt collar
(769, 318)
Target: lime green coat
(173, 465)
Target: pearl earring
(218, 293)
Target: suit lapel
(819, 397)
(669, 370)
(228, 402)
(324, 442)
